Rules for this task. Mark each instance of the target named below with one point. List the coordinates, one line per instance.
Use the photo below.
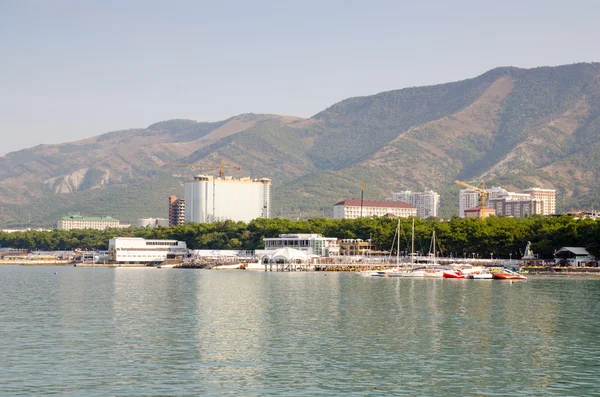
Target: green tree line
(497, 236)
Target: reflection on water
(98, 332)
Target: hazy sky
(75, 69)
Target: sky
(70, 70)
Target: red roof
(354, 202)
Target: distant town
(208, 199)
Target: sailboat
(386, 272)
(412, 271)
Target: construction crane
(483, 195)
(222, 166)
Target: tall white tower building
(209, 199)
(467, 199)
(427, 203)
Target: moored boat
(453, 274)
(507, 274)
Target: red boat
(508, 275)
(453, 274)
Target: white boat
(479, 276)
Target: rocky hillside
(510, 126)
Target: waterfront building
(153, 222)
(310, 244)
(176, 211)
(211, 199)
(427, 203)
(76, 221)
(352, 209)
(574, 256)
(354, 247)
(136, 250)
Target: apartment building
(427, 203)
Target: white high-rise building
(467, 198)
(427, 203)
(210, 199)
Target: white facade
(467, 199)
(352, 209)
(76, 221)
(136, 250)
(209, 199)
(311, 244)
(427, 203)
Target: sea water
(173, 332)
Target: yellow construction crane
(483, 195)
(222, 166)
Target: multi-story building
(467, 199)
(210, 199)
(548, 196)
(519, 207)
(176, 211)
(311, 244)
(136, 250)
(532, 201)
(354, 247)
(427, 203)
(76, 221)
(352, 208)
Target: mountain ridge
(509, 125)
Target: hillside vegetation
(513, 127)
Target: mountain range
(509, 126)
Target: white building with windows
(352, 209)
(211, 199)
(136, 250)
(76, 221)
(310, 244)
(427, 203)
(531, 202)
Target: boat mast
(412, 243)
(398, 246)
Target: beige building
(548, 196)
(351, 209)
(76, 221)
(176, 211)
(533, 201)
(478, 213)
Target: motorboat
(507, 274)
(453, 274)
(479, 276)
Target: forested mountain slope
(510, 126)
